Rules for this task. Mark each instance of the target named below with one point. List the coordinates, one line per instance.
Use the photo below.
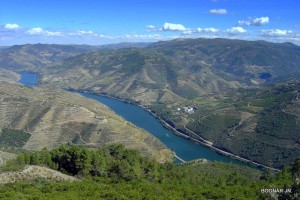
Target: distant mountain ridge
(37, 56)
(186, 67)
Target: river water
(184, 148)
(29, 79)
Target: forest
(114, 172)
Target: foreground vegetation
(114, 172)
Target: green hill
(259, 124)
(114, 172)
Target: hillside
(261, 125)
(248, 61)
(35, 56)
(179, 68)
(34, 118)
(208, 86)
(6, 156)
(219, 79)
(8, 76)
(31, 173)
(114, 172)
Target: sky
(97, 22)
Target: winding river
(184, 148)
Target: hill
(179, 68)
(35, 56)
(8, 76)
(219, 79)
(259, 124)
(123, 45)
(203, 87)
(34, 118)
(114, 172)
(31, 173)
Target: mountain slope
(261, 125)
(46, 117)
(35, 56)
(212, 76)
(186, 68)
(236, 58)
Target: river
(29, 79)
(184, 148)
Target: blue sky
(101, 22)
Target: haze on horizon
(103, 22)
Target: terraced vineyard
(54, 117)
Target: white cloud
(35, 31)
(276, 32)
(244, 23)
(55, 33)
(151, 27)
(210, 30)
(11, 26)
(280, 35)
(259, 21)
(236, 30)
(173, 27)
(143, 36)
(80, 32)
(221, 11)
(188, 32)
(205, 30)
(40, 31)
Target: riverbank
(210, 144)
(188, 134)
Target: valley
(215, 77)
(149, 100)
(229, 92)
